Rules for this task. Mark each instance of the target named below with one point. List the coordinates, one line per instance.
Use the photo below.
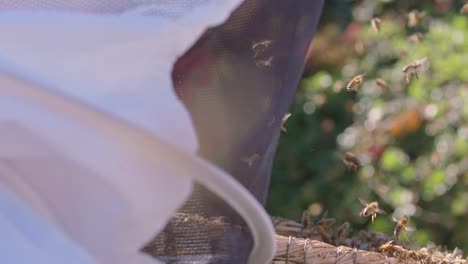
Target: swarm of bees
(410, 70)
(372, 209)
(388, 245)
(425, 255)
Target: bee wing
(406, 68)
(422, 60)
(425, 66)
(380, 211)
(410, 229)
(325, 214)
(286, 116)
(424, 63)
(283, 121)
(363, 202)
(394, 219)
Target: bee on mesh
(261, 46)
(376, 24)
(412, 68)
(354, 84)
(262, 56)
(250, 160)
(370, 209)
(283, 121)
(401, 226)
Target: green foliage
(411, 138)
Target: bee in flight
(412, 69)
(381, 83)
(464, 9)
(414, 18)
(402, 225)
(370, 209)
(351, 162)
(376, 23)
(416, 37)
(354, 84)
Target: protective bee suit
(114, 115)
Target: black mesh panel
(237, 81)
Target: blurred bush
(411, 138)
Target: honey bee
(261, 46)
(424, 255)
(351, 161)
(381, 82)
(283, 121)
(376, 23)
(416, 37)
(324, 235)
(411, 69)
(326, 222)
(341, 233)
(413, 18)
(268, 62)
(305, 220)
(402, 225)
(261, 53)
(370, 209)
(464, 9)
(251, 160)
(388, 248)
(354, 84)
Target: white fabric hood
(92, 131)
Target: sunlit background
(412, 139)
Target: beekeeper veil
(110, 111)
